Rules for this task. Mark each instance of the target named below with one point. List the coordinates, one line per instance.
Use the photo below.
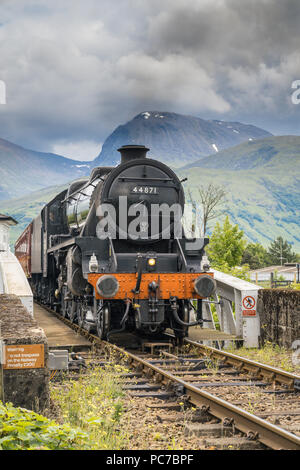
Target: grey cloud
(74, 70)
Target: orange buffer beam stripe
(179, 285)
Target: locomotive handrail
(181, 252)
(79, 191)
(145, 178)
(113, 254)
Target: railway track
(239, 393)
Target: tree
(255, 255)
(227, 245)
(210, 199)
(280, 252)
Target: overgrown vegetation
(22, 429)
(271, 354)
(85, 415)
(94, 403)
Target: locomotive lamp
(205, 286)
(151, 263)
(93, 264)
(107, 286)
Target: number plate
(145, 190)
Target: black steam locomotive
(111, 254)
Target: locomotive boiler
(110, 252)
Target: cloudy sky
(76, 69)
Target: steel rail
(269, 373)
(254, 427)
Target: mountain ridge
(173, 137)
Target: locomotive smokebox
(132, 152)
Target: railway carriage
(110, 252)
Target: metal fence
(235, 301)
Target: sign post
(24, 356)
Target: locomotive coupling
(175, 308)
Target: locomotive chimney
(132, 152)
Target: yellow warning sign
(24, 356)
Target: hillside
(262, 179)
(262, 185)
(270, 152)
(23, 171)
(176, 138)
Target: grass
(270, 354)
(94, 404)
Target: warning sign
(249, 304)
(27, 356)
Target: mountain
(172, 138)
(23, 170)
(176, 138)
(261, 175)
(262, 180)
(26, 208)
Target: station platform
(59, 335)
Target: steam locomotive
(101, 256)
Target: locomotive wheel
(102, 322)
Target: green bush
(21, 429)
